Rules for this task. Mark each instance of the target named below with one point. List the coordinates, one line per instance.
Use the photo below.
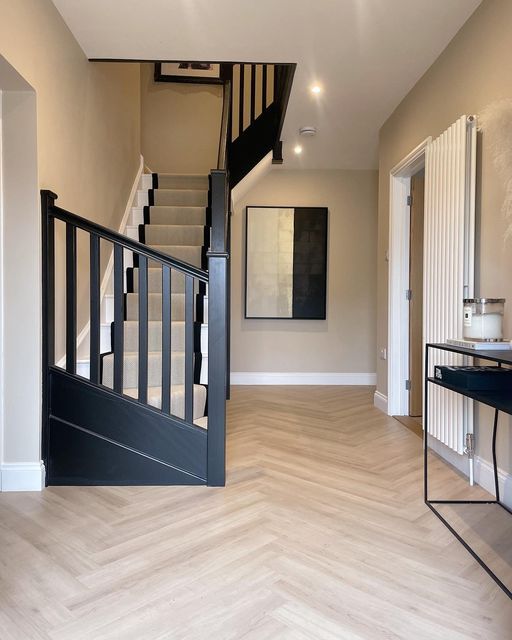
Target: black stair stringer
(96, 437)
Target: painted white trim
(122, 227)
(295, 378)
(110, 264)
(398, 306)
(22, 476)
(380, 401)
(484, 472)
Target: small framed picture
(201, 72)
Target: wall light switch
(383, 353)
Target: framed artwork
(202, 72)
(286, 262)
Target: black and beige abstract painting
(286, 262)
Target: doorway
(415, 295)
(405, 343)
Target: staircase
(152, 410)
(175, 224)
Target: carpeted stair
(175, 223)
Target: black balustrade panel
(92, 432)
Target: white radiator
(450, 170)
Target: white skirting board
(484, 472)
(22, 476)
(287, 378)
(380, 401)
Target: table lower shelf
(501, 400)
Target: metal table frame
(501, 358)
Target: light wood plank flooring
(321, 533)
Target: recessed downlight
(316, 89)
(297, 149)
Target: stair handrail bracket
(88, 422)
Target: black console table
(499, 401)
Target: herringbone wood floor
(321, 533)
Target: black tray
(475, 378)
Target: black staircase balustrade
(93, 434)
(259, 115)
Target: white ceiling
(367, 54)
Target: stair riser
(177, 215)
(167, 181)
(131, 336)
(155, 281)
(180, 198)
(159, 234)
(130, 376)
(155, 307)
(190, 255)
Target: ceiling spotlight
(298, 149)
(316, 88)
(307, 131)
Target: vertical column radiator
(449, 265)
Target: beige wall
(474, 71)
(345, 342)
(87, 113)
(86, 127)
(88, 120)
(180, 125)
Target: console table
(499, 401)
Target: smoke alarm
(307, 131)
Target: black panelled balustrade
(79, 446)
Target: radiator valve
(470, 446)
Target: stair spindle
(70, 298)
(241, 87)
(264, 89)
(118, 318)
(143, 329)
(166, 339)
(189, 349)
(253, 92)
(94, 308)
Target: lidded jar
(483, 319)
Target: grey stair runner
(176, 227)
(181, 197)
(177, 215)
